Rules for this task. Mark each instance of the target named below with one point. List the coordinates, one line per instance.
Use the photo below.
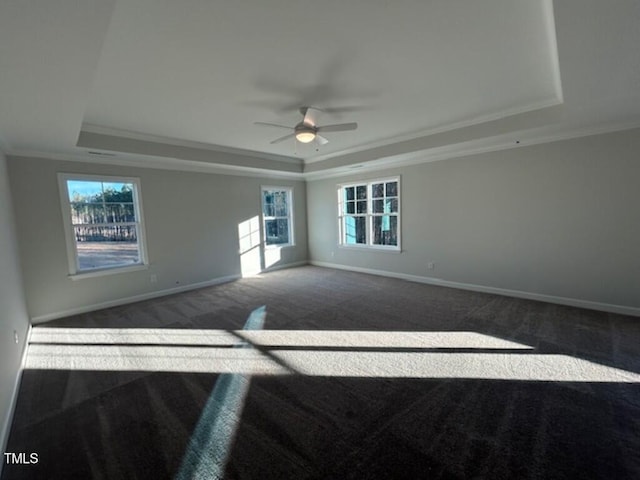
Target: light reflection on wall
(271, 256)
(252, 252)
(249, 246)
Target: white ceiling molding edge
(162, 163)
(442, 129)
(553, 47)
(106, 143)
(468, 149)
(413, 158)
(145, 137)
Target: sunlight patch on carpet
(463, 355)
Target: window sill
(374, 248)
(278, 247)
(107, 271)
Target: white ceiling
(417, 76)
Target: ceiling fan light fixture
(308, 130)
(305, 136)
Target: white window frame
(289, 217)
(75, 272)
(369, 215)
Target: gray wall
(559, 219)
(13, 312)
(191, 225)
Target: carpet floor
(341, 375)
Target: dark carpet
(396, 423)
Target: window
(103, 222)
(369, 214)
(277, 216)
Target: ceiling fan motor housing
(305, 133)
(304, 128)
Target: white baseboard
(148, 296)
(136, 298)
(8, 420)
(572, 302)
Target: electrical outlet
(431, 266)
(153, 278)
(15, 336)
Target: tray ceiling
(197, 74)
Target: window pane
(349, 193)
(113, 213)
(276, 211)
(113, 186)
(117, 192)
(374, 221)
(87, 213)
(268, 209)
(351, 207)
(281, 210)
(103, 247)
(84, 191)
(120, 212)
(111, 233)
(388, 205)
(355, 230)
(104, 223)
(392, 189)
(277, 231)
(129, 212)
(385, 230)
(281, 204)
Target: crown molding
(465, 150)
(451, 127)
(162, 163)
(176, 142)
(553, 47)
(504, 142)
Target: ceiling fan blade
(310, 116)
(321, 140)
(282, 139)
(271, 125)
(339, 127)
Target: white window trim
(369, 215)
(72, 255)
(289, 190)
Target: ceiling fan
(308, 129)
